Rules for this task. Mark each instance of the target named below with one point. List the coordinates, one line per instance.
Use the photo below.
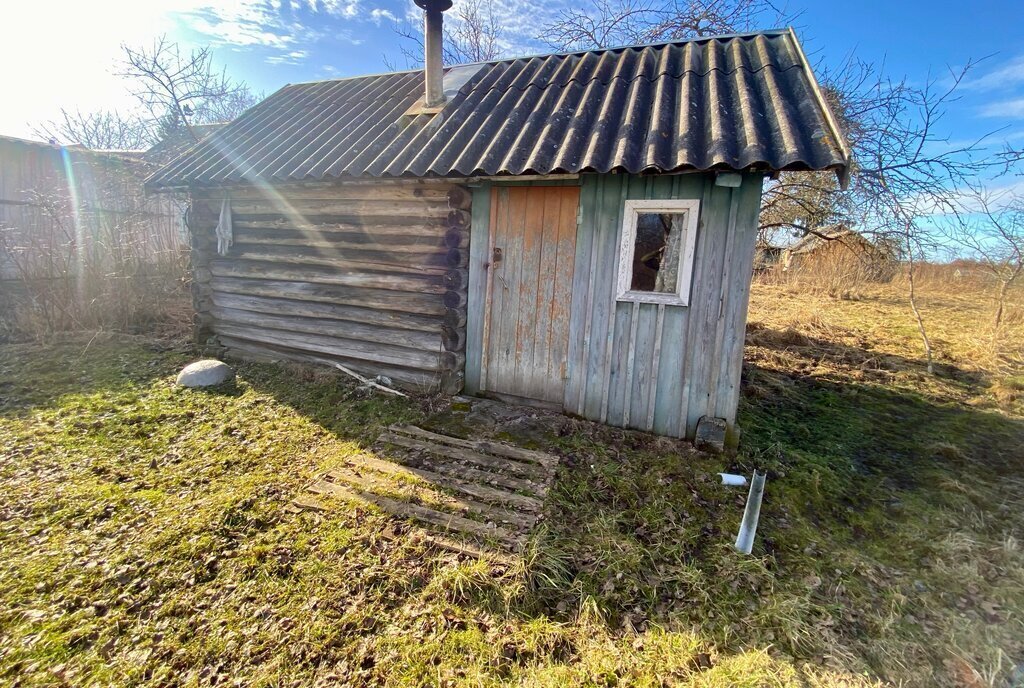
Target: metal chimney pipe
(433, 24)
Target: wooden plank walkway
(491, 493)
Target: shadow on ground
(30, 378)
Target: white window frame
(627, 247)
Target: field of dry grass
(144, 538)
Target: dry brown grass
(957, 305)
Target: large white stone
(205, 373)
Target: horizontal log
(411, 224)
(418, 381)
(455, 299)
(456, 238)
(398, 226)
(346, 191)
(394, 243)
(453, 381)
(302, 208)
(429, 342)
(456, 258)
(455, 317)
(351, 260)
(420, 284)
(405, 302)
(347, 348)
(453, 339)
(458, 219)
(312, 309)
(456, 279)
(459, 198)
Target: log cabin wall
(369, 274)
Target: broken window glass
(656, 252)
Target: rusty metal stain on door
(529, 290)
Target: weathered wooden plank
(507, 283)
(349, 260)
(563, 278)
(738, 290)
(345, 241)
(527, 286)
(413, 380)
(425, 284)
(341, 329)
(643, 356)
(347, 227)
(312, 309)
(425, 304)
(500, 465)
(498, 209)
(488, 447)
(305, 209)
(537, 375)
(380, 191)
(463, 472)
(347, 348)
(604, 300)
(584, 276)
(475, 490)
(652, 391)
(420, 513)
(706, 302)
(477, 289)
(371, 482)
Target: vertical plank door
(529, 290)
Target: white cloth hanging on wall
(225, 233)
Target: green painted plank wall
(646, 366)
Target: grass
(144, 538)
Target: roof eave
(842, 172)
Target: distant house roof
(730, 102)
(179, 142)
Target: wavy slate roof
(731, 102)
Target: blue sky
(67, 51)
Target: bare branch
(183, 89)
(102, 130)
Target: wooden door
(529, 291)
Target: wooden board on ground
(489, 492)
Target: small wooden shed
(838, 249)
(574, 229)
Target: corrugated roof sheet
(733, 102)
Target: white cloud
(1010, 109)
(1010, 73)
(349, 9)
(377, 14)
(293, 57)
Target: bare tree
(101, 130)
(904, 171)
(991, 232)
(183, 89)
(472, 33)
(608, 23)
